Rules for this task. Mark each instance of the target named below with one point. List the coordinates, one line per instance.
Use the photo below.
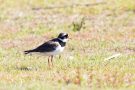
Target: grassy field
(108, 29)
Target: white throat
(63, 40)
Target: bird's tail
(28, 51)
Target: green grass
(109, 29)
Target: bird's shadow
(24, 68)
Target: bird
(52, 47)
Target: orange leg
(59, 56)
(52, 60)
(49, 61)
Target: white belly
(57, 51)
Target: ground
(108, 29)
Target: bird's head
(63, 37)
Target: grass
(109, 29)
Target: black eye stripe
(66, 36)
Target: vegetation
(109, 30)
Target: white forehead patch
(64, 34)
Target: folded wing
(46, 47)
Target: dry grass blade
(112, 57)
(72, 5)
